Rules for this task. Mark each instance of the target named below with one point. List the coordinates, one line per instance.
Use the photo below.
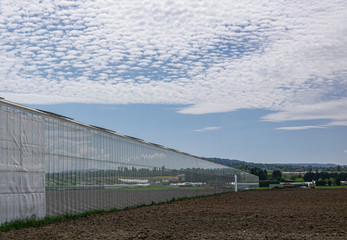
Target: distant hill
(284, 167)
(324, 165)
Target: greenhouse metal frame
(53, 165)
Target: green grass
(34, 222)
(318, 187)
(161, 187)
(260, 188)
(266, 188)
(330, 187)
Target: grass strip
(330, 187)
(35, 222)
(156, 188)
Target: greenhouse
(53, 165)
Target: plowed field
(268, 214)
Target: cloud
(345, 151)
(288, 57)
(207, 129)
(338, 123)
(335, 112)
(296, 128)
(330, 124)
(327, 110)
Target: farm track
(268, 214)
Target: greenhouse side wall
(22, 167)
(76, 168)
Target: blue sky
(260, 81)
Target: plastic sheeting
(22, 168)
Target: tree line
(325, 178)
(265, 178)
(247, 166)
(321, 178)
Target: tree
(259, 172)
(330, 181)
(299, 180)
(277, 174)
(338, 181)
(265, 174)
(308, 177)
(320, 182)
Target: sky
(259, 81)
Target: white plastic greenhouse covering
(52, 165)
(22, 168)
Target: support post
(235, 183)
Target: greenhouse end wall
(52, 165)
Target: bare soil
(265, 214)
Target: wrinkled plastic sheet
(22, 173)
